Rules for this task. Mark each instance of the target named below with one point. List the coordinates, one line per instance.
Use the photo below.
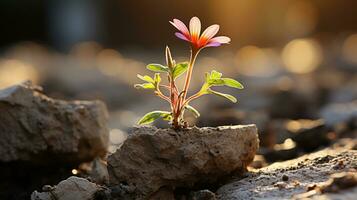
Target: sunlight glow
(15, 71)
(288, 144)
(302, 56)
(349, 49)
(255, 61)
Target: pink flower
(194, 36)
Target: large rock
(293, 178)
(37, 129)
(153, 158)
(73, 188)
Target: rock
(202, 195)
(96, 171)
(258, 162)
(308, 134)
(123, 192)
(69, 189)
(37, 129)
(302, 172)
(349, 194)
(340, 181)
(273, 155)
(293, 104)
(153, 158)
(99, 173)
(285, 178)
(163, 194)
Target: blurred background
(296, 58)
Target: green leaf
(232, 83)
(227, 96)
(179, 69)
(145, 86)
(193, 110)
(157, 68)
(146, 78)
(167, 117)
(215, 82)
(154, 115)
(214, 78)
(215, 74)
(157, 78)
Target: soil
(289, 179)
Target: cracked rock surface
(41, 130)
(73, 188)
(153, 158)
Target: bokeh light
(255, 61)
(14, 71)
(349, 49)
(302, 56)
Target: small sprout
(178, 100)
(154, 115)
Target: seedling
(178, 100)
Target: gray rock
(37, 129)
(202, 195)
(69, 189)
(99, 172)
(302, 173)
(153, 158)
(308, 134)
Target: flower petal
(213, 44)
(210, 32)
(220, 39)
(181, 36)
(180, 26)
(195, 28)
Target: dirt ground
(305, 177)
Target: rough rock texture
(289, 179)
(202, 195)
(39, 129)
(153, 158)
(95, 171)
(69, 189)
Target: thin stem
(193, 97)
(182, 96)
(194, 53)
(165, 86)
(179, 102)
(172, 93)
(159, 94)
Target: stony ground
(294, 178)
